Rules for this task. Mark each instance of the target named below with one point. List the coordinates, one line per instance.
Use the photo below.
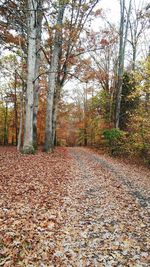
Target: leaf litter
(73, 207)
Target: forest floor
(74, 207)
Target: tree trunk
(122, 45)
(21, 122)
(36, 83)
(16, 112)
(120, 64)
(49, 140)
(55, 109)
(85, 115)
(28, 136)
(6, 126)
(134, 57)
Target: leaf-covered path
(73, 208)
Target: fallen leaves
(33, 188)
(72, 208)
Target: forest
(63, 83)
(74, 133)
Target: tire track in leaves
(104, 226)
(67, 210)
(122, 177)
(144, 201)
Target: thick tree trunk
(36, 83)
(49, 140)
(28, 136)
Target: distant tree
(138, 25)
(63, 56)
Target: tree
(37, 70)
(10, 91)
(124, 24)
(31, 64)
(138, 23)
(63, 51)
(104, 66)
(53, 77)
(13, 29)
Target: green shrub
(115, 139)
(112, 134)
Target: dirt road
(97, 215)
(107, 222)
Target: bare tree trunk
(134, 58)
(55, 109)
(49, 140)
(85, 115)
(22, 107)
(16, 112)
(122, 45)
(6, 125)
(21, 122)
(36, 83)
(28, 136)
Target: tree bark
(21, 122)
(37, 68)
(16, 112)
(122, 45)
(85, 115)
(55, 109)
(28, 136)
(6, 125)
(134, 57)
(49, 140)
